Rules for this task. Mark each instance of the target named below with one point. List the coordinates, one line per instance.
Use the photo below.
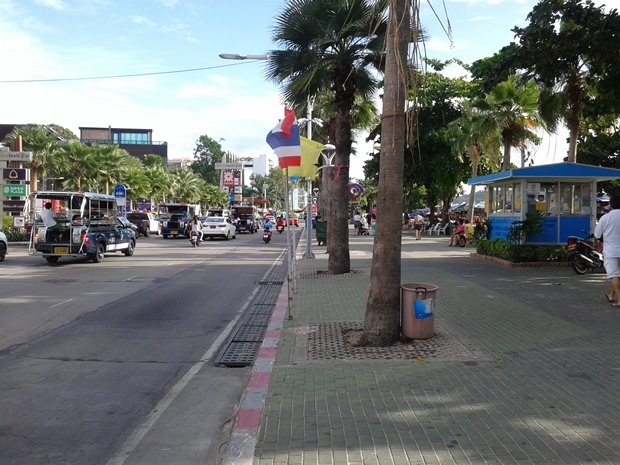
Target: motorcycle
(194, 239)
(280, 228)
(583, 254)
(266, 236)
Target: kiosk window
(575, 199)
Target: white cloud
(480, 18)
(53, 4)
(142, 20)
(168, 3)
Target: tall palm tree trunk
(338, 215)
(382, 320)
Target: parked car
(147, 223)
(219, 226)
(4, 246)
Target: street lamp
(236, 56)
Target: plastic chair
(443, 229)
(433, 229)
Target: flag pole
(288, 245)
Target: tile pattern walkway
(543, 386)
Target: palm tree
(78, 164)
(330, 45)
(474, 135)
(514, 108)
(158, 181)
(110, 162)
(381, 322)
(186, 185)
(40, 142)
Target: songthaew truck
(245, 218)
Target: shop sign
(13, 206)
(14, 174)
(7, 155)
(14, 190)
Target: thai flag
(284, 140)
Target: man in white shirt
(47, 216)
(608, 229)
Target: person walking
(608, 231)
(418, 224)
(357, 223)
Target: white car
(218, 226)
(4, 246)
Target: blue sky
(232, 101)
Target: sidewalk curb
(242, 442)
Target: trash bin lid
(414, 286)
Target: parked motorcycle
(266, 236)
(194, 239)
(583, 254)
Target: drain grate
(245, 344)
(263, 309)
(250, 334)
(240, 354)
(257, 319)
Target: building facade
(137, 142)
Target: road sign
(14, 190)
(229, 166)
(120, 193)
(7, 155)
(14, 174)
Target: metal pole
(288, 246)
(309, 253)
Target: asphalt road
(112, 363)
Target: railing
(121, 142)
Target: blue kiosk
(564, 194)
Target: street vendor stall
(563, 194)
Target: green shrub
(521, 253)
(15, 234)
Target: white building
(263, 164)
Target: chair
(443, 229)
(433, 229)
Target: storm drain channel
(245, 344)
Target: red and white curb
(242, 442)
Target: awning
(577, 172)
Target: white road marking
(61, 303)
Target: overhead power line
(116, 76)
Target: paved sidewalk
(524, 369)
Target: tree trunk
(339, 261)
(572, 141)
(382, 320)
(506, 159)
(472, 195)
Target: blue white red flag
(284, 140)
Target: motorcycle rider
(608, 229)
(268, 225)
(280, 222)
(196, 226)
